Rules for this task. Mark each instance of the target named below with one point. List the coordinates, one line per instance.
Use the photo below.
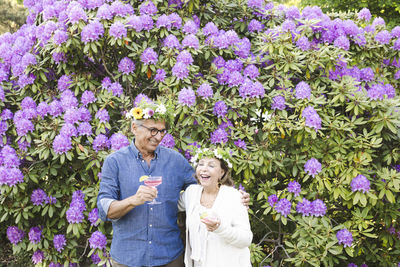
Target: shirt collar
(138, 154)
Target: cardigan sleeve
(186, 196)
(237, 232)
(182, 202)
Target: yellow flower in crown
(161, 109)
(137, 113)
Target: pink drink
(152, 183)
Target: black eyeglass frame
(155, 131)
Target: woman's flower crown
(217, 152)
(148, 109)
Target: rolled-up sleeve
(109, 187)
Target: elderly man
(143, 234)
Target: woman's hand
(212, 224)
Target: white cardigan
(228, 245)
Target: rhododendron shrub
(307, 104)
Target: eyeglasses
(155, 131)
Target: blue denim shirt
(148, 235)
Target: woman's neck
(210, 190)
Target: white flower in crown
(148, 113)
(217, 155)
(161, 109)
(229, 164)
(129, 115)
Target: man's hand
(245, 198)
(143, 194)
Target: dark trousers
(178, 262)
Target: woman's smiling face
(209, 172)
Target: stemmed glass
(153, 181)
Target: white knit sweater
(228, 245)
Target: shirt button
(151, 225)
(151, 208)
(142, 160)
(149, 242)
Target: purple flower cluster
(303, 43)
(364, 14)
(148, 8)
(75, 212)
(118, 30)
(37, 256)
(220, 109)
(240, 144)
(15, 235)
(383, 37)
(190, 27)
(93, 217)
(62, 144)
(255, 26)
(210, 29)
(312, 118)
(168, 141)
(318, 208)
(98, 240)
(35, 235)
(59, 242)
(283, 207)
(102, 115)
(342, 42)
(250, 89)
(64, 82)
(149, 56)
(219, 136)
(312, 167)
(185, 57)
(344, 237)
(163, 21)
(126, 66)
(87, 98)
(38, 197)
(92, 31)
(278, 102)
(180, 70)
(303, 90)
(160, 75)
(294, 187)
(118, 141)
(205, 91)
(171, 41)
(95, 258)
(360, 183)
(272, 200)
(141, 97)
(379, 90)
(187, 97)
(100, 142)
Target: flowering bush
(306, 104)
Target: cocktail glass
(153, 181)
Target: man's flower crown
(216, 152)
(148, 109)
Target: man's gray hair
(137, 122)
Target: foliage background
(359, 135)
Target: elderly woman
(217, 224)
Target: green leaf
(349, 251)
(390, 196)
